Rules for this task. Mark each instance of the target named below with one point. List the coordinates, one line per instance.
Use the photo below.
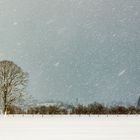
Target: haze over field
(85, 49)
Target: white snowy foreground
(73, 127)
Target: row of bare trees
(47, 110)
(95, 108)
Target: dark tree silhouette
(138, 104)
(12, 84)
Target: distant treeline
(95, 108)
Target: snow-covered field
(73, 127)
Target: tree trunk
(5, 110)
(5, 103)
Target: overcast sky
(85, 49)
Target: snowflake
(15, 23)
(121, 73)
(57, 64)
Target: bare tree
(12, 84)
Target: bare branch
(12, 83)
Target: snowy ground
(70, 127)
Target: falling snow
(86, 49)
(15, 23)
(121, 73)
(57, 64)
